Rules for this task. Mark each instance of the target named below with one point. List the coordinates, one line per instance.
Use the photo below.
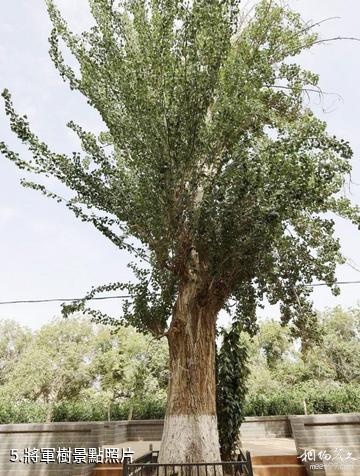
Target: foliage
(231, 388)
(344, 398)
(119, 363)
(341, 346)
(22, 412)
(75, 360)
(151, 407)
(327, 375)
(55, 364)
(146, 408)
(274, 340)
(210, 168)
(128, 364)
(13, 340)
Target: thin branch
(336, 38)
(310, 90)
(353, 265)
(318, 23)
(309, 27)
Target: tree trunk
(190, 428)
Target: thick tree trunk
(190, 430)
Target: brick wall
(337, 435)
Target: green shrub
(79, 411)
(145, 409)
(319, 398)
(23, 412)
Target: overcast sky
(45, 251)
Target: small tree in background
(274, 340)
(55, 365)
(210, 170)
(13, 341)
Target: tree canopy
(13, 339)
(277, 359)
(73, 359)
(210, 167)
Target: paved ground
(269, 446)
(257, 447)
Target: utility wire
(34, 301)
(127, 296)
(314, 285)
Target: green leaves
(208, 150)
(77, 361)
(231, 371)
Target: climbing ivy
(231, 371)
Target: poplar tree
(211, 170)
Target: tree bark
(190, 428)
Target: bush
(24, 412)
(319, 398)
(322, 398)
(145, 409)
(79, 411)
(344, 399)
(31, 412)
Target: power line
(35, 301)
(127, 296)
(314, 285)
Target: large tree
(211, 171)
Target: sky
(45, 252)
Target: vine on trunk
(231, 387)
